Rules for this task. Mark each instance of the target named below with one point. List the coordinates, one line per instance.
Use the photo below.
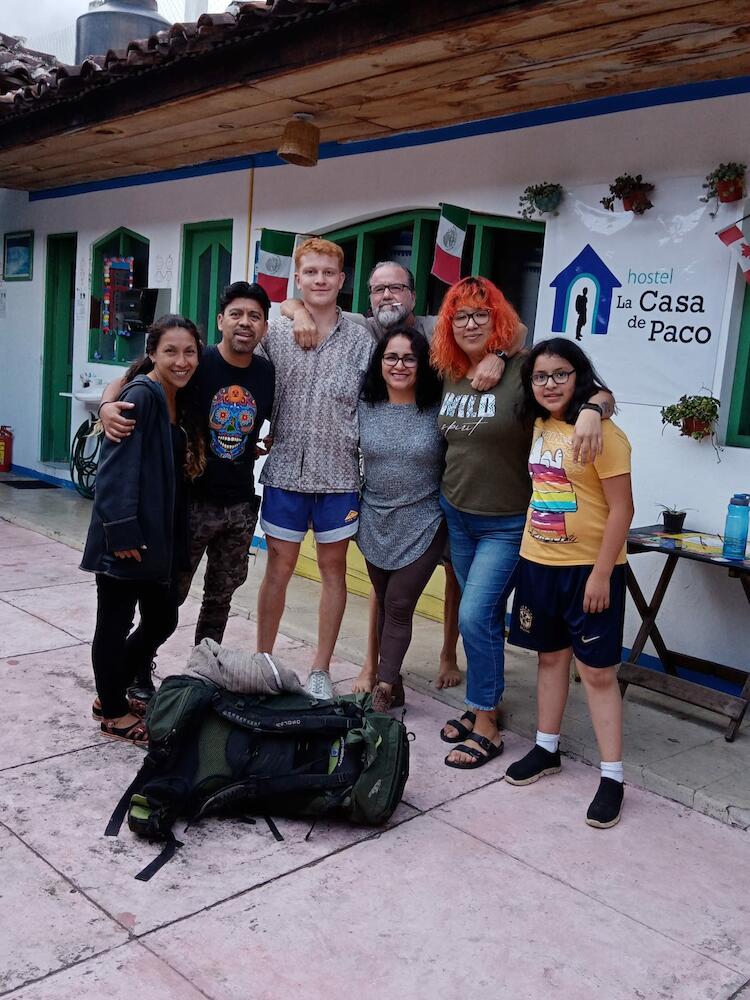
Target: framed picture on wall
(18, 256)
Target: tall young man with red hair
(311, 477)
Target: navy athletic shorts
(548, 613)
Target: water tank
(114, 23)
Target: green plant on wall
(540, 199)
(632, 191)
(725, 183)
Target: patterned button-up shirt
(314, 422)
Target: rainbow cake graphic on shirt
(552, 495)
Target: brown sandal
(96, 711)
(134, 733)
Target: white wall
(706, 612)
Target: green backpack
(214, 752)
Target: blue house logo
(588, 264)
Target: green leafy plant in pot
(696, 416)
(725, 183)
(632, 191)
(541, 198)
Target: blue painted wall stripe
(505, 123)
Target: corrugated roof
(34, 80)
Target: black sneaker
(533, 766)
(606, 806)
(138, 698)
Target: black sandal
(479, 758)
(463, 731)
(134, 733)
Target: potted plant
(725, 183)
(632, 191)
(696, 416)
(673, 518)
(541, 198)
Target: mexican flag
(734, 238)
(275, 263)
(449, 244)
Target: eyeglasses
(407, 360)
(559, 378)
(395, 288)
(480, 317)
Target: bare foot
(365, 681)
(448, 677)
(483, 728)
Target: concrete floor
(474, 885)
(671, 748)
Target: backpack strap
(166, 854)
(121, 809)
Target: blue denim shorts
(288, 515)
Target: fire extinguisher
(6, 448)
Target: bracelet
(99, 407)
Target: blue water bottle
(735, 528)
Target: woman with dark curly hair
(401, 529)
(137, 541)
(485, 494)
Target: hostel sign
(643, 296)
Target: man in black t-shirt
(236, 389)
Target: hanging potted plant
(696, 416)
(541, 198)
(726, 183)
(632, 191)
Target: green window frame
(738, 425)
(363, 247)
(106, 348)
(206, 270)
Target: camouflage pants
(225, 534)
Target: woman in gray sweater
(402, 533)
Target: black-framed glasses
(480, 317)
(395, 288)
(559, 377)
(407, 360)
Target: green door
(206, 270)
(57, 368)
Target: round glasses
(559, 377)
(480, 317)
(407, 360)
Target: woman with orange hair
(485, 493)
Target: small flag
(275, 263)
(734, 238)
(449, 244)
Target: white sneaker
(318, 685)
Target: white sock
(613, 769)
(548, 741)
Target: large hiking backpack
(211, 752)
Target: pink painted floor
(475, 887)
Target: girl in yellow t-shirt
(570, 591)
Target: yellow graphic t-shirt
(568, 510)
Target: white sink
(91, 395)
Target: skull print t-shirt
(236, 402)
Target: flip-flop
(458, 724)
(479, 758)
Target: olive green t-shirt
(486, 465)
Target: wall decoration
(18, 256)
(118, 276)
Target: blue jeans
(484, 554)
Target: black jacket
(135, 493)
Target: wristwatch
(503, 355)
(592, 406)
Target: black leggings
(397, 592)
(119, 658)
